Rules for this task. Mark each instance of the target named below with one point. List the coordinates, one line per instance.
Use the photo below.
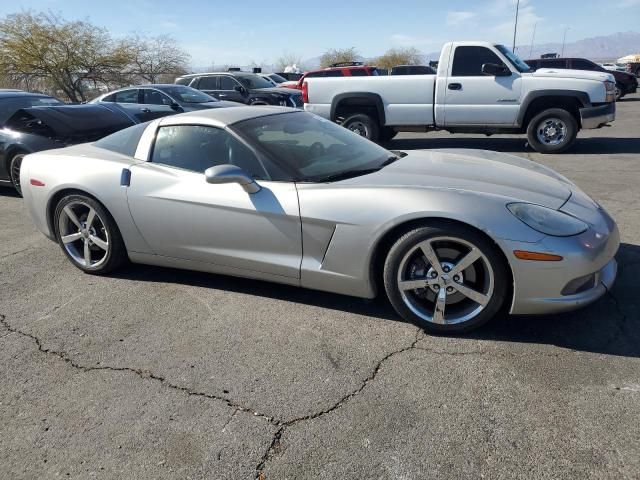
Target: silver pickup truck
(479, 88)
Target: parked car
(148, 102)
(479, 88)
(282, 195)
(347, 69)
(634, 68)
(242, 87)
(614, 66)
(412, 70)
(274, 78)
(625, 82)
(50, 124)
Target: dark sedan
(40, 123)
(242, 87)
(148, 102)
(625, 82)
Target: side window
(468, 61)
(315, 74)
(553, 64)
(110, 98)
(184, 81)
(333, 73)
(208, 83)
(126, 96)
(197, 147)
(582, 65)
(358, 72)
(227, 83)
(154, 97)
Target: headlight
(610, 91)
(546, 220)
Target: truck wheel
(552, 131)
(619, 93)
(363, 125)
(387, 134)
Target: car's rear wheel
(446, 278)
(14, 170)
(619, 91)
(363, 125)
(88, 235)
(552, 131)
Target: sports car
(451, 237)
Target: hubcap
(552, 131)
(84, 234)
(445, 280)
(359, 128)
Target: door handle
(146, 110)
(455, 86)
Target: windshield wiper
(347, 174)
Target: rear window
(183, 81)
(125, 141)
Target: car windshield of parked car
(9, 105)
(254, 81)
(515, 60)
(313, 149)
(277, 78)
(188, 94)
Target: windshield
(254, 81)
(515, 60)
(9, 105)
(311, 148)
(188, 94)
(277, 78)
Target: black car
(49, 124)
(242, 87)
(148, 102)
(412, 70)
(625, 82)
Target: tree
(334, 55)
(287, 59)
(155, 58)
(399, 56)
(68, 54)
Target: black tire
(537, 123)
(363, 125)
(619, 92)
(116, 254)
(387, 134)
(14, 170)
(408, 242)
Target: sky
(223, 32)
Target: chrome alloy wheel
(552, 131)
(83, 234)
(445, 280)
(359, 128)
(16, 163)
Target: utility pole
(533, 36)
(515, 26)
(564, 37)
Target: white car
(479, 88)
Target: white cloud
(456, 18)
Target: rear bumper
(596, 117)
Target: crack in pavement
(281, 424)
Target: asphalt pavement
(158, 373)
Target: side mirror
(495, 70)
(239, 89)
(175, 106)
(231, 174)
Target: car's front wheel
(446, 278)
(552, 131)
(88, 235)
(14, 171)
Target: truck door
(474, 98)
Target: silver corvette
(451, 236)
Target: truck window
(553, 64)
(468, 61)
(580, 64)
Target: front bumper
(598, 116)
(587, 271)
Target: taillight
(305, 92)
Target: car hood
(285, 91)
(479, 171)
(577, 74)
